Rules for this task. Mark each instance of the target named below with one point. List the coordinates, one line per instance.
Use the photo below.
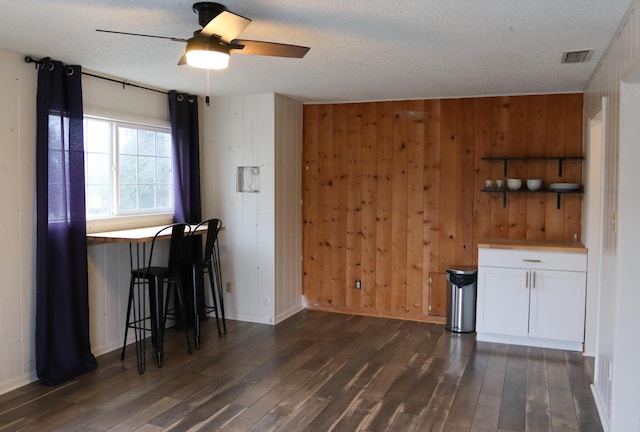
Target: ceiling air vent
(576, 56)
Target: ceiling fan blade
(227, 25)
(243, 46)
(143, 35)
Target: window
(128, 168)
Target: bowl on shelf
(534, 184)
(564, 186)
(514, 184)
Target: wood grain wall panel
(325, 210)
(384, 160)
(537, 131)
(354, 204)
(399, 205)
(400, 184)
(554, 217)
(465, 215)
(500, 131)
(535, 215)
(369, 206)
(415, 207)
(339, 165)
(572, 169)
(536, 143)
(438, 294)
(482, 122)
(517, 138)
(450, 176)
(431, 206)
(556, 126)
(311, 246)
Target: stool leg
(183, 309)
(138, 319)
(196, 315)
(213, 296)
(157, 318)
(218, 275)
(126, 327)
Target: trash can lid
(462, 270)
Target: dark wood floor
(319, 372)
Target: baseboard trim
(17, 382)
(289, 313)
(604, 418)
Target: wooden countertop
(540, 245)
(132, 235)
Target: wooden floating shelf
(506, 160)
(504, 193)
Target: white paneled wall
(617, 375)
(17, 220)
(262, 229)
(288, 207)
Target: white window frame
(125, 220)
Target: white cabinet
(531, 297)
(503, 301)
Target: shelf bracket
(506, 162)
(558, 203)
(560, 160)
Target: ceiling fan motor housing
(207, 11)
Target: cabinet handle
(533, 284)
(526, 281)
(532, 260)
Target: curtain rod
(29, 59)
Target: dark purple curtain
(185, 139)
(63, 350)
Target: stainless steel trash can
(461, 299)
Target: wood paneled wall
(391, 193)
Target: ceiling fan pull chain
(206, 99)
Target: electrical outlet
(358, 284)
(228, 287)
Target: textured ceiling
(361, 50)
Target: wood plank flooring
(319, 371)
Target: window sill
(128, 222)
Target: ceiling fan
(210, 47)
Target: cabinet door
(503, 301)
(557, 305)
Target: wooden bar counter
(536, 245)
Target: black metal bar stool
(209, 264)
(152, 278)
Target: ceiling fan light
(206, 54)
(207, 59)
